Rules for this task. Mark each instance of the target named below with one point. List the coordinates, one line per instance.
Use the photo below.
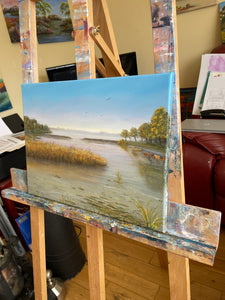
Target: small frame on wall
(5, 102)
(53, 20)
(189, 5)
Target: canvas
(162, 36)
(189, 5)
(11, 13)
(101, 145)
(5, 102)
(53, 20)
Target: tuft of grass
(57, 153)
(123, 144)
(118, 177)
(65, 199)
(149, 215)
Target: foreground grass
(149, 215)
(57, 153)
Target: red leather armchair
(204, 170)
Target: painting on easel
(101, 145)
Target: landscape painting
(101, 145)
(11, 14)
(189, 5)
(53, 20)
(5, 102)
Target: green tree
(144, 131)
(33, 127)
(43, 8)
(124, 134)
(64, 9)
(159, 125)
(133, 133)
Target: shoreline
(103, 141)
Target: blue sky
(105, 105)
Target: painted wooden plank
(84, 46)
(38, 239)
(197, 248)
(185, 221)
(96, 270)
(19, 179)
(28, 38)
(85, 60)
(38, 252)
(28, 41)
(179, 280)
(166, 59)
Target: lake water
(98, 189)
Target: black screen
(68, 72)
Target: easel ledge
(198, 243)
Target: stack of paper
(207, 78)
(8, 141)
(214, 98)
(4, 130)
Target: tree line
(43, 8)
(33, 127)
(155, 131)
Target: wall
(198, 33)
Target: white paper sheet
(215, 92)
(4, 130)
(209, 62)
(10, 143)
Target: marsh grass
(58, 153)
(118, 177)
(149, 215)
(65, 199)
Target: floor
(132, 271)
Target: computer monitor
(68, 71)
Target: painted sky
(100, 105)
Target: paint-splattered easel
(181, 241)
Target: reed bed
(57, 153)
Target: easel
(178, 253)
(104, 38)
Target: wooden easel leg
(38, 239)
(179, 277)
(38, 252)
(163, 258)
(95, 257)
